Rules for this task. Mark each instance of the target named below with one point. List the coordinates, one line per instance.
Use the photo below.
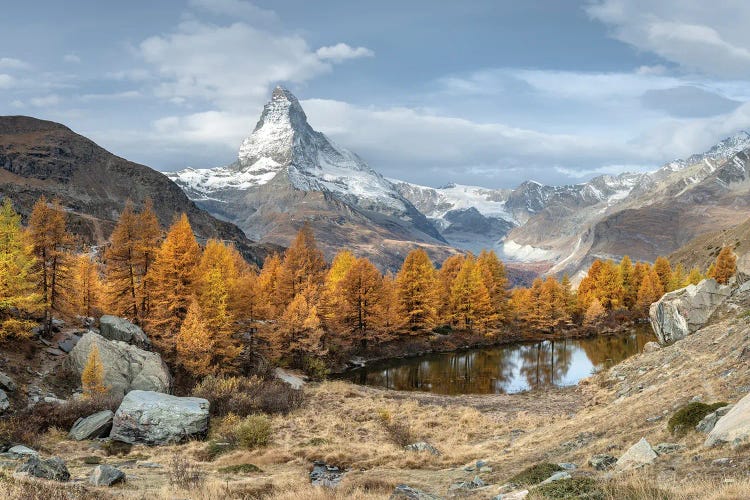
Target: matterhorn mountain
(287, 174)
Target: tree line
(197, 301)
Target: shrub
(240, 469)
(253, 432)
(315, 368)
(690, 415)
(398, 432)
(245, 396)
(535, 474)
(184, 474)
(574, 488)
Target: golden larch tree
(650, 290)
(299, 329)
(725, 266)
(268, 283)
(694, 276)
(86, 287)
(173, 276)
(52, 246)
(303, 265)
(594, 313)
(470, 300)
(663, 269)
(495, 278)
(194, 343)
(418, 291)
(446, 276)
(608, 286)
(19, 296)
(92, 376)
(361, 291)
(148, 236)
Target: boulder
(404, 492)
(126, 367)
(708, 422)
(21, 451)
(7, 383)
(67, 343)
(557, 476)
(667, 448)
(53, 469)
(115, 328)
(733, 427)
(154, 418)
(94, 426)
(4, 401)
(106, 475)
(681, 312)
(637, 456)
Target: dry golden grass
(342, 424)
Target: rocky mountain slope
(286, 173)
(45, 158)
(641, 214)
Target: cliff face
(39, 157)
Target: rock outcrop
(7, 383)
(115, 328)
(681, 312)
(733, 427)
(4, 401)
(126, 367)
(638, 455)
(153, 418)
(94, 426)
(53, 469)
(106, 475)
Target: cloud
(341, 52)
(687, 101)
(695, 34)
(115, 96)
(6, 81)
(12, 63)
(45, 101)
(71, 58)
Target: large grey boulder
(116, 328)
(106, 475)
(733, 427)
(637, 456)
(53, 469)
(681, 312)
(94, 426)
(153, 418)
(126, 367)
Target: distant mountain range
(287, 173)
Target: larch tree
(417, 286)
(86, 287)
(629, 283)
(362, 294)
(245, 301)
(92, 376)
(303, 265)
(19, 296)
(268, 284)
(331, 299)
(194, 343)
(495, 278)
(678, 278)
(725, 266)
(568, 296)
(594, 313)
(446, 276)
(173, 276)
(663, 269)
(608, 285)
(389, 314)
(52, 246)
(299, 329)
(470, 300)
(147, 240)
(121, 267)
(694, 276)
(650, 290)
(554, 303)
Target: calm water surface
(503, 369)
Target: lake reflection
(503, 369)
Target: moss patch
(577, 487)
(535, 474)
(240, 469)
(687, 417)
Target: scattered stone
(651, 347)
(733, 427)
(149, 465)
(681, 312)
(567, 466)
(513, 495)
(21, 451)
(404, 492)
(602, 462)
(637, 456)
(708, 422)
(106, 475)
(114, 328)
(422, 446)
(653, 419)
(325, 475)
(53, 469)
(721, 462)
(94, 426)
(7, 383)
(667, 448)
(557, 476)
(475, 483)
(4, 401)
(485, 470)
(126, 367)
(154, 418)
(68, 343)
(54, 351)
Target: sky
(487, 92)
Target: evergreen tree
(725, 266)
(52, 246)
(418, 291)
(19, 297)
(173, 276)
